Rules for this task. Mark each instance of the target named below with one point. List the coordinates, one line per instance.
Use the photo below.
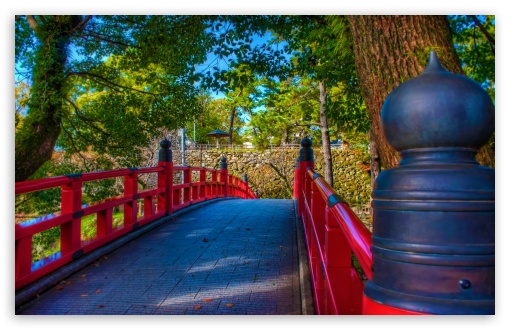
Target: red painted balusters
(131, 189)
(214, 184)
(23, 256)
(70, 232)
(148, 206)
(105, 222)
(187, 185)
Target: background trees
(105, 82)
(392, 49)
(100, 87)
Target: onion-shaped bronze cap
(165, 144)
(438, 109)
(306, 143)
(306, 152)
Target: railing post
(433, 240)
(202, 187)
(187, 181)
(215, 185)
(245, 186)
(296, 179)
(70, 232)
(104, 222)
(305, 161)
(165, 178)
(224, 175)
(131, 189)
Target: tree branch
(97, 36)
(307, 124)
(490, 39)
(85, 119)
(74, 147)
(93, 142)
(287, 185)
(32, 22)
(82, 23)
(106, 81)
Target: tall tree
(392, 49)
(321, 54)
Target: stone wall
(271, 172)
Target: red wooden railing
(432, 250)
(161, 201)
(333, 235)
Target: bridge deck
(229, 257)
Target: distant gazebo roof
(217, 133)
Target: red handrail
(161, 201)
(357, 234)
(333, 233)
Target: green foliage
(40, 202)
(45, 243)
(108, 83)
(475, 45)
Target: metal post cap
(438, 109)
(433, 239)
(165, 144)
(165, 153)
(306, 143)
(223, 162)
(306, 152)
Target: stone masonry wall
(271, 172)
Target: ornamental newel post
(305, 161)
(224, 174)
(434, 221)
(165, 178)
(165, 153)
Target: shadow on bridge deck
(228, 257)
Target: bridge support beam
(434, 222)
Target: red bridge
(209, 246)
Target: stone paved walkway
(228, 257)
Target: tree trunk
(36, 138)
(326, 145)
(375, 164)
(231, 128)
(390, 50)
